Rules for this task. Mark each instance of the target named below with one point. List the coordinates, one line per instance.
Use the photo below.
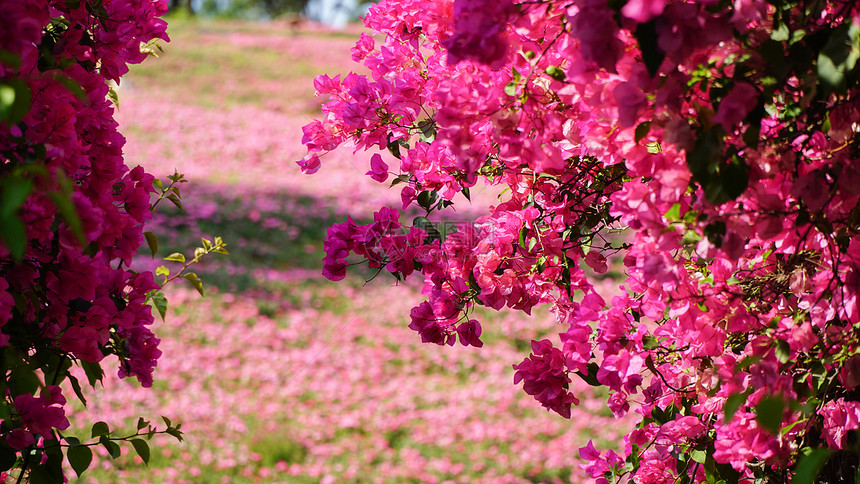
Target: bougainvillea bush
(722, 135)
(72, 217)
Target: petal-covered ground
(279, 375)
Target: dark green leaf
(591, 377)
(836, 62)
(734, 402)
(769, 412)
(426, 225)
(94, 372)
(10, 59)
(71, 85)
(394, 147)
(23, 380)
(642, 131)
(63, 202)
(142, 449)
(100, 429)
(14, 235)
(80, 457)
(810, 465)
(428, 130)
(111, 446)
(174, 432)
(8, 456)
(76, 386)
(427, 198)
(705, 155)
(152, 242)
(15, 190)
(652, 54)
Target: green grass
(203, 65)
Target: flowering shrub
(72, 217)
(722, 135)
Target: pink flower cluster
(383, 243)
(82, 212)
(740, 194)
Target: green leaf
(100, 429)
(769, 412)
(705, 155)
(783, 351)
(591, 377)
(734, 402)
(80, 457)
(94, 372)
(642, 131)
(176, 256)
(159, 301)
(15, 190)
(174, 432)
(63, 202)
(8, 456)
(14, 235)
(142, 449)
(649, 342)
(394, 147)
(151, 241)
(555, 73)
(810, 465)
(652, 54)
(23, 380)
(838, 58)
(70, 84)
(427, 198)
(175, 200)
(111, 446)
(113, 96)
(10, 59)
(674, 213)
(425, 224)
(39, 474)
(780, 33)
(195, 282)
(76, 386)
(15, 99)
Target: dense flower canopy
(72, 215)
(721, 135)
